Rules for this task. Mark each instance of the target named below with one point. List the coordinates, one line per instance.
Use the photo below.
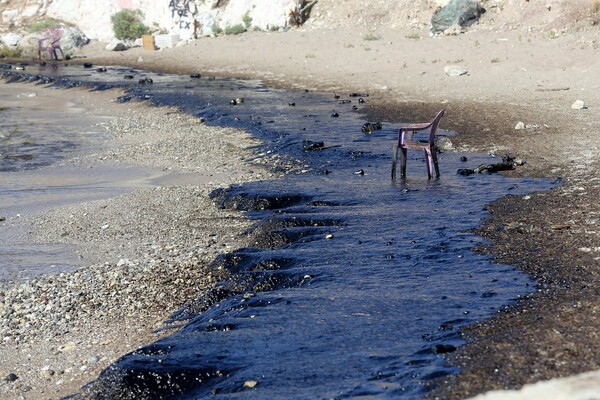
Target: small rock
(116, 45)
(578, 105)
(520, 125)
(443, 348)
(329, 236)
(250, 384)
(444, 144)
(455, 70)
(11, 377)
(2, 219)
(104, 227)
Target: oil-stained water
(355, 285)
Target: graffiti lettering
(182, 8)
(183, 14)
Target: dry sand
(513, 76)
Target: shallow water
(355, 285)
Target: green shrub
(43, 24)
(247, 20)
(127, 24)
(235, 30)
(217, 30)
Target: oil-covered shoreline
(486, 122)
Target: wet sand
(143, 235)
(513, 76)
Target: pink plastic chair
(405, 142)
(51, 44)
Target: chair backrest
(434, 126)
(51, 38)
(405, 134)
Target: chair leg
(428, 162)
(403, 157)
(435, 162)
(394, 159)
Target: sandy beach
(515, 76)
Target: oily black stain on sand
(354, 285)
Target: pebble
(94, 359)
(520, 125)
(578, 105)
(47, 373)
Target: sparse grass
(477, 43)
(217, 30)
(595, 6)
(274, 28)
(414, 36)
(43, 24)
(371, 37)
(6, 52)
(235, 29)
(3, 108)
(457, 61)
(495, 60)
(310, 56)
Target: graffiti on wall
(183, 14)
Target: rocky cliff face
(189, 18)
(197, 17)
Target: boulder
(10, 39)
(456, 12)
(72, 39)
